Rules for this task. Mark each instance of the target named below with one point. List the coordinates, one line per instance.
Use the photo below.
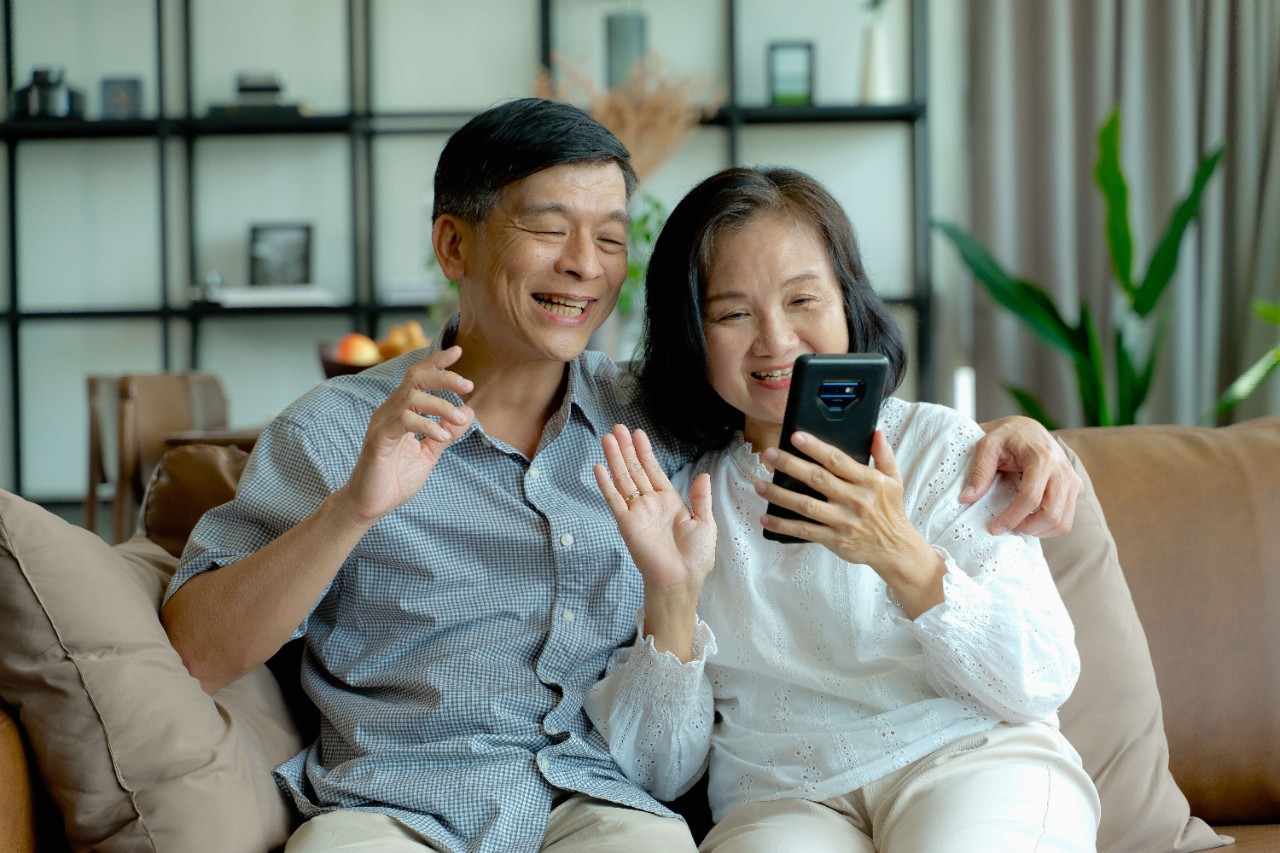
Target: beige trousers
(578, 824)
(1012, 789)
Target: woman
(890, 684)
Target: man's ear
(447, 234)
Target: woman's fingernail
(799, 438)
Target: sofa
(1171, 575)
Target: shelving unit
(182, 142)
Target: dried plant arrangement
(652, 113)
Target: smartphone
(835, 397)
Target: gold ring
(629, 498)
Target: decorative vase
(625, 45)
(877, 83)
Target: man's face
(543, 271)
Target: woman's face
(771, 296)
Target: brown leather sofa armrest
(188, 482)
(17, 796)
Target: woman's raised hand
(862, 520)
(673, 544)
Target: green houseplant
(1139, 333)
(1246, 383)
(648, 214)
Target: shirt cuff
(666, 666)
(962, 602)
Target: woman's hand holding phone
(862, 519)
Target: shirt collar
(578, 394)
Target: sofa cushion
(1113, 717)
(134, 753)
(1196, 517)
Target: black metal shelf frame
(361, 125)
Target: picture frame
(791, 73)
(121, 98)
(280, 253)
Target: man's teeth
(560, 305)
(774, 375)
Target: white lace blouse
(815, 682)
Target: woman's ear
(446, 238)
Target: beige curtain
(1188, 75)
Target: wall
(88, 227)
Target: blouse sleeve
(1001, 641)
(656, 713)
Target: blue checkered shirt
(450, 655)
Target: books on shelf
(271, 295)
(247, 111)
(417, 292)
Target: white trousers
(1012, 789)
(579, 824)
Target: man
(432, 528)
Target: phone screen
(835, 397)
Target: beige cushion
(1114, 717)
(134, 753)
(1196, 517)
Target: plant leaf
(1268, 311)
(1042, 315)
(1031, 406)
(1165, 258)
(1126, 382)
(1109, 176)
(1148, 372)
(979, 261)
(1134, 385)
(1027, 301)
(1089, 365)
(1248, 381)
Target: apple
(355, 348)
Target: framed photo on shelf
(791, 73)
(280, 253)
(121, 97)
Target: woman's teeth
(774, 375)
(563, 307)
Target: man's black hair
(512, 141)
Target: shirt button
(566, 539)
(567, 616)
(533, 473)
(542, 762)
(551, 730)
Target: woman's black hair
(512, 141)
(673, 371)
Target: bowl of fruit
(354, 352)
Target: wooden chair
(129, 415)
